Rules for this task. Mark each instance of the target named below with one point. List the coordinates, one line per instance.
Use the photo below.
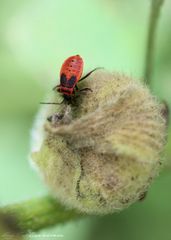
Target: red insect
(70, 75)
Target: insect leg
(54, 88)
(85, 90)
(82, 90)
(76, 87)
(52, 102)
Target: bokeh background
(36, 37)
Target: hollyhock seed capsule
(107, 152)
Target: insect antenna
(52, 103)
(88, 74)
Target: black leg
(52, 103)
(54, 88)
(88, 74)
(85, 90)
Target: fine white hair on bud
(100, 153)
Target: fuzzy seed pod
(100, 153)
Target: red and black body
(70, 74)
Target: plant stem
(154, 16)
(36, 214)
(9, 228)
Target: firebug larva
(70, 75)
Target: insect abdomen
(73, 66)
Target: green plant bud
(100, 153)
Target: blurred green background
(36, 37)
